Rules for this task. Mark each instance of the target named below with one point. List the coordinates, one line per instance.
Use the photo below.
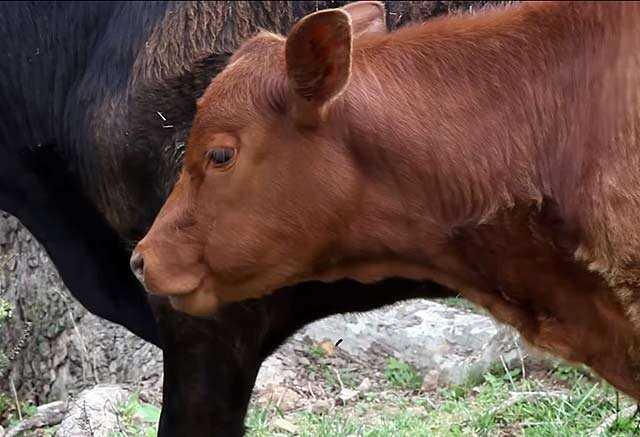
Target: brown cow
(346, 152)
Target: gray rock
(45, 415)
(446, 345)
(274, 371)
(94, 412)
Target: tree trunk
(52, 344)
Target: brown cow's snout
(137, 266)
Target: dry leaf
(285, 425)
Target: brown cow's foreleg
(210, 365)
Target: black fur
(56, 68)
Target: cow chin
(171, 285)
(199, 303)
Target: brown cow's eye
(221, 156)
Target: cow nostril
(137, 265)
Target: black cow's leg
(211, 365)
(209, 370)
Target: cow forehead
(260, 44)
(252, 73)
(260, 56)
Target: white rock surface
(94, 412)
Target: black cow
(96, 100)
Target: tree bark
(53, 345)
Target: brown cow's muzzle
(137, 266)
(185, 287)
(161, 273)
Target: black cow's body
(95, 100)
(47, 92)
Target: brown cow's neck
(458, 114)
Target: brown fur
(517, 183)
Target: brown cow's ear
(366, 17)
(318, 56)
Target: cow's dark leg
(211, 365)
(209, 370)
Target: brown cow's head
(268, 189)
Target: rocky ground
(416, 368)
(416, 346)
(442, 343)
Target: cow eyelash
(221, 156)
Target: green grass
(458, 302)
(568, 403)
(329, 374)
(5, 405)
(563, 402)
(5, 310)
(559, 403)
(137, 419)
(5, 314)
(316, 351)
(402, 375)
(9, 415)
